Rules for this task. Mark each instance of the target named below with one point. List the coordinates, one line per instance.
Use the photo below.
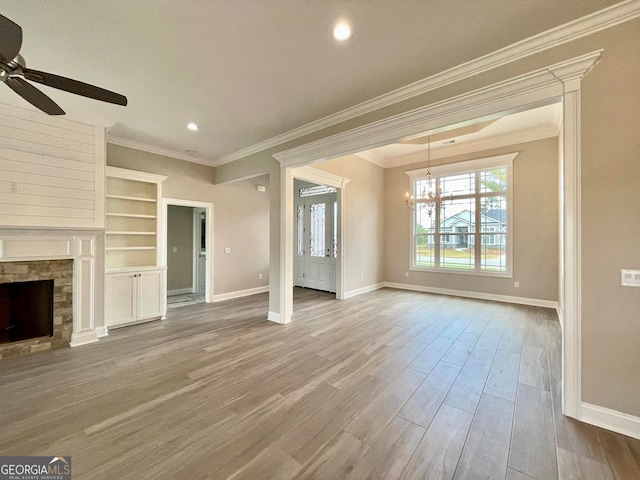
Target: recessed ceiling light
(342, 31)
(192, 126)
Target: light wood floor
(389, 384)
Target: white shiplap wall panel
(22, 124)
(50, 171)
(38, 159)
(47, 191)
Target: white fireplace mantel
(86, 248)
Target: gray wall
(180, 237)
(240, 214)
(535, 205)
(363, 220)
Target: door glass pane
(317, 217)
(300, 229)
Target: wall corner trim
(83, 338)
(360, 291)
(102, 332)
(613, 420)
(274, 317)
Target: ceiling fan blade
(74, 86)
(10, 39)
(34, 96)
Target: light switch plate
(227, 250)
(630, 278)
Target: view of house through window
(468, 230)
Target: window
(470, 230)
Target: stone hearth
(61, 272)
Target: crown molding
(374, 158)
(581, 27)
(449, 151)
(533, 86)
(165, 152)
(315, 175)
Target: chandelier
(429, 196)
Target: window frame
(484, 163)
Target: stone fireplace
(74, 261)
(60, 272)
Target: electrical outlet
(406, 274)
(259, 276)
(516, 284)
(630, 278)
(175, 249)
(227, 250)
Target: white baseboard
(180, 291)
(274, 317)
(613, 420)
(478, 295)
(239, 293)
(102, 331)
(83, 338)
(360, 291)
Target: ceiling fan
(13, 67)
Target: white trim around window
(472, 166)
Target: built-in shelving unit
(135, 280)
(132, 213)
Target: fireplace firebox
(26, 310)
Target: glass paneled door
(315, 252)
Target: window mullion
(436, 236)
(477, 250)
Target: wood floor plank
(503, 378)
(425, 402)
(459, 352)
(572, 466)
(533, 367)
(438, 453)
(431, 355)
(532, 441)
(486, 449)
(621, 455)
(516, 475)
(336, 460)
(272, 463)
(389, 455)
(463, 397)
(375, 417)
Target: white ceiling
(248, 70)
(533, 124)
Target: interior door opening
(315, 236)
(186, 255)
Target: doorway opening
(186, 246)
(316, 236)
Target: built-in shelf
(130, 215)
(135, 199)
(132, 212)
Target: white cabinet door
(150, 290)
(121, 298)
